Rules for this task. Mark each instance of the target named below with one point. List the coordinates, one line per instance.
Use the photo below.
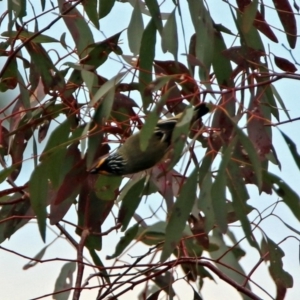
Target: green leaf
(77, 27)
(38, 188)
(130, 234)
(249, 15)
(106, 187)
(169, 39)
(205, 202)
(135, 29)
(279, 275)
(152, 235)
(36, 259)
(204, 36)
(252, 153)
(97, 261)
(91, 80)
(105, 6)
(180, 134)
(90, 7)
(57, 139)
(131, 197)
(251, 38)
(64, 281)
(240, 195)
(221, 64)
(155, 13)
(147, 54)
(289, 196)
(179, 215)
(279, 99)
(218, 191)
(235, 272)
(293, 148)
(41, 38)
(108, 86)
(6, 172)
(19, 8)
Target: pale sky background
(17, 284)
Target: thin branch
(80, 264)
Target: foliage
(67, 113)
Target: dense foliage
(79, 95)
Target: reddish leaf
(72, 183)
(221, 121)
(77, 26)
(256, 127)
(174, 98)
(287, 19)
(284, 64)
(92, 212)
(189, 86)
(244, 56)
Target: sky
(39, 280)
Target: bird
(130, 159)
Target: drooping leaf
(284, 64)
(135, 29)
(179, 215)
(105, 7)
(235, 272)
(13, 215)
(165, 282)
(275, 254)
(131, 196)
(221, 64)
(147, 54)
(218, 190)
(64, 281)
(240, 195)
(249, 15)
(282, 189)
(180, 134)
(204, 36)
(169, 40)
(77, 26)
(154, 10)
(38, 187)
(288, 21)
(37, 257)
(205, 202)
(152, 235)
(130, 234)
(253, 156)
(90, 7)
(98, 263)
(23, 35)
(57, 139)
(292, 147)
(257, 131)
(259, 22)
